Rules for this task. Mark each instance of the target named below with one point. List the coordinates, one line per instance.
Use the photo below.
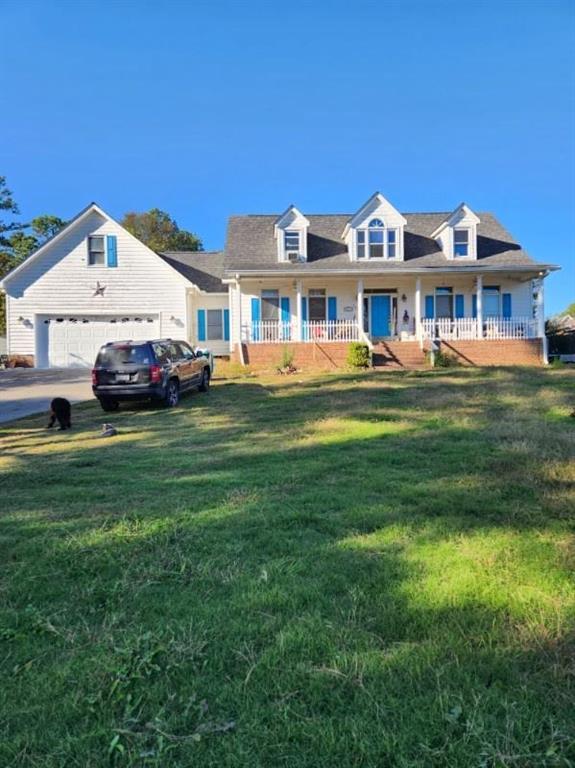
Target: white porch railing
(468, 328)
(277, 331)
(330, 330)
(509, 328)
(268, 332)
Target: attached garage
(94, 282)
(73, 341)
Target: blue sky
(211, 108)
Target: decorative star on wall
(99, 289)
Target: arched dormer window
(377, 241)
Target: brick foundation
(316, 356)
(393, 355)
(20, 361)
(512, 352)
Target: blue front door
(379, 321)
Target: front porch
(376, 309)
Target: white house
(397, 281)
(95, 282)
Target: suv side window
(175, 352)
(187, 351)
(162, 352)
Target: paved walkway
(27, 390)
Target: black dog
(60, 411)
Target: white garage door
(74, 341)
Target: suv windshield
(124, 355)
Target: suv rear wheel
(205, 382)
(109, 404)
(172, 396)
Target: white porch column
(298, 330)
(360, 309)
(540, 309)
(479, 306)
(238, 324)
(418, 308)
(236, 318)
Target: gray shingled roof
(251, 245)
(203, 268)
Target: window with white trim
(317, 308)
(361, 243)
(291, 240)
(96, 250)
(215, 325)
(491, 301)
(391, 243)
(377, 241)
(270, 304)
(444, 303)
(460, 243)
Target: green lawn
(346, 570)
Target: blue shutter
(201, 324)
(506, 305)
(112, 250)
(429, 307)
(304, 317)
(459, 305)
(226, 324)
(255, 319)
(332, 308)
(474, 306)
(285, 318)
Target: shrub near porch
(352, 570)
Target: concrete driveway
(26, 390)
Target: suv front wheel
(172, 396)
(205, 382)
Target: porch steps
(398, 355)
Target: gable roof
(462, 210)
(192, 267)
(202, 268)
(84, 213)
(288, 216)
(250, 246)
(377, 200)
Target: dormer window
(375, 231)
(457, 234)
(291, 241)
(290, 232)
(461, 242)
(391, 243)
(376, 238)
(377, 242)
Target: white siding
(61, 282)
(208, 301)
